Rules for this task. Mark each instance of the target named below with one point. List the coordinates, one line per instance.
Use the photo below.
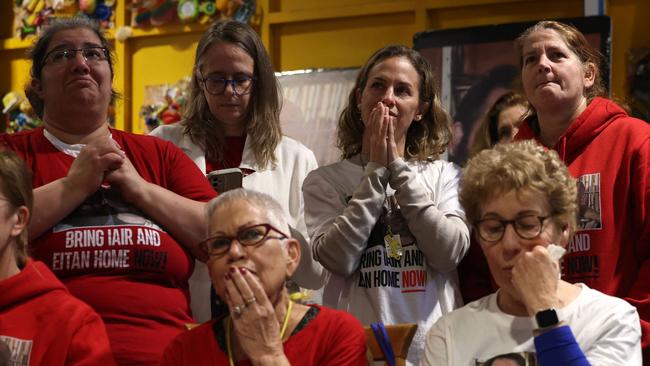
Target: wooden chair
(400, 335)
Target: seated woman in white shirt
(522, 203)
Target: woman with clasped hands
(385, 220)
(251, 258)
(522, 203)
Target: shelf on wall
(15, 43)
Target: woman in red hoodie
(606, 150)
(40, 322)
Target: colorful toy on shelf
(164, 103)
(146, 13)
(18, 113)
(31, 15)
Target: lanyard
(285, 323)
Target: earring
(418, 117)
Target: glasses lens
(252, 235)
(242, 85)
(215, 86)
(528, 227)
(218, 245)
(490, 229)
(94, 54)
(58, 56)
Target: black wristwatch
(546, 318)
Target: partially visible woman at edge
(41, 322)
(605, 149)
(232, 121)
(386, 221)
(116, 215)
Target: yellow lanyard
(285, 323)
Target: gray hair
(274, 212)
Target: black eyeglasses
(241, 85)
(527, 227)
(218, 245)
(91, 54)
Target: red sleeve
(89, 345)
(474, 274)
(639, 295)
(347, 343)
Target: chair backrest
(400, 335)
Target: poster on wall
(477, 65)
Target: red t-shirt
(111, 255)
(333, 337)
(233, 152)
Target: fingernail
(242, 270)
(233, 269)
(227, 277)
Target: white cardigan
(284, 183)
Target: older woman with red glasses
(251, 257)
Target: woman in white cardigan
(232, 121)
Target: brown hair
(38, 52)
(521, 165)
(263, 119)
(577, 43)
(16, 186)
(488, 134)
(426, 139)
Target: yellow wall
(303, 34)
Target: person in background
(232, 121)
(130, 264)
(251, 256)
(605, 149)
(522, 203)
(40, 322)
(386, 221)
(498, 81)
(501, 122)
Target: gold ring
(250, 301)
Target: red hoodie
(609, 153)
(44, 325)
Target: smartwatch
(546, 318)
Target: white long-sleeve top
(346, 211)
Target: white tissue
(555, 251)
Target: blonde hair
(263, 119)
(519, 166)
(425, 139)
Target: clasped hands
(102, 160)
(379, 136)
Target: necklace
(285, 323)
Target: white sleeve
(339, 230)
(436, 222)
(620, 343)
(435, 346)
(310, 273)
